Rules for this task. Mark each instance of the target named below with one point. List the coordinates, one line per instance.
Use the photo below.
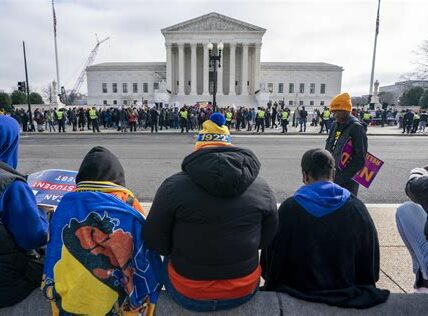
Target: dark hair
(318, 163)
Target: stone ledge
(264, 303)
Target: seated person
(209, 220)
(326, 249)
(413, 225)
(23, 227)
(96, 262)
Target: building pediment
(213, 22)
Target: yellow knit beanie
(213, 133)
(341, 102)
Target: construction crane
(78, 84)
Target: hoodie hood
(100, 164)
(222, 171)
(321, 198)
(9, 140)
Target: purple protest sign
(371, 167)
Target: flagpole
(374, 51)
(56, 51)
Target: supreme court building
(187, 78)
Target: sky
(337, 32)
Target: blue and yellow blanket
(96, 261)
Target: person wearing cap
(210, 220)
(346, 127)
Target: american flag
(54, 16)
(377, 19)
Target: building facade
(186, 77)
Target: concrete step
(263, 303)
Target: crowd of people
(164, 117)
(208, 221)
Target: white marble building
(186, 77)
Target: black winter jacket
(351, 130)
(212, 217)
(417, 190)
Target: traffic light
(21, 86)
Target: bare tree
(359, 101)
(387, 97)
(420, 62)
(48, 93)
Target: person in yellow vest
(93, 116)
(260, 119)
(367, 117)
(325, 120)
(184, 119)
(416, 120)
(60, 117)
(228, 116)
(284, 120)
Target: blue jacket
(18, 209)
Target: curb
(394, 206)
(45, 134)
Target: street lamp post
(213, 59)
(32, 129)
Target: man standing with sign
(346, 127)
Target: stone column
(244, 69)
(193, 69)
(169, 85)
(220, 75)
(181, 69)
(206, 71)
(257, 67)
(232, 78)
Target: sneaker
(421, 290)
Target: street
(149, 159)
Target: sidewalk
(313, 131)
(395, 262)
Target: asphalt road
(149, 159)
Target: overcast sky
(337, 32)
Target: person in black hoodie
(210, 220)
(326, 249)
(412, 225)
